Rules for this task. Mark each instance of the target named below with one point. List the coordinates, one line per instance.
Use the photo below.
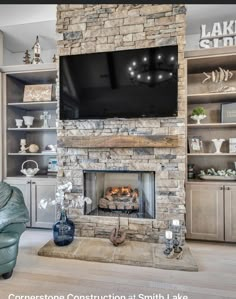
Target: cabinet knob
(33, 183)
(28, 182)
(227, 188)
(222, 188)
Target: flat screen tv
(119, 84)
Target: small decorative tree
(26, 58)
(54, 58)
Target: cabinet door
(230, 213)
(43, 218)
(1, 118)
(25, 187)
(205, 211)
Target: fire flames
(122, 191)
(125, 190)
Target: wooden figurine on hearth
(26, 58)
(37, 52)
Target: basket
(29, 172)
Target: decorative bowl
(217, 178)
(198, 118)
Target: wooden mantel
(118, 141)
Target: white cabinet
(34, 189)
(211, 211)
(1, 117)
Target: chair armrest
(14, 228)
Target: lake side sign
(221, 35)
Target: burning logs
(120, 198)
(120, 193)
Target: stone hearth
(129, 253)
(98, 28)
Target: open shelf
(37, 176)
(24, 68)
(32, 129)
(212, 125)
(32, 154)
(211, 97)
(211, 154)
(197, 181)
(35, 105)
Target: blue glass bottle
(63, 230)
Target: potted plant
(198, 114)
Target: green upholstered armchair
(13, 218)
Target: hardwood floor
(35, 275)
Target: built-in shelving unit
(211, 97)
(32, 154)
(207, 96)
(42, 185)
(210, 205)
(212, 125)
(34, 105)
(14, 80)
(212, 154)
(32, 129)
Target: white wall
(192, 42)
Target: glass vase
(63, 230)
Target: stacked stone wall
(111, 27)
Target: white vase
(28, 120)
(198, 118)
(19, 123)
(218, 143)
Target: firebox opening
(128, 194)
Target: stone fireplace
(127, 194)
(154, 174)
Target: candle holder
(23, 147)
(173, 242)
(176, 227)
(169, 242)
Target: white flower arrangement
(61, 199)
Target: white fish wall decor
(217, 76)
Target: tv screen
(120, 84)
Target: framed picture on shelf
(195, 144)
(38, 93)
(228, 112)
(232, 145)
(52, 166)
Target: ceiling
(23, 14)
(22, 23)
